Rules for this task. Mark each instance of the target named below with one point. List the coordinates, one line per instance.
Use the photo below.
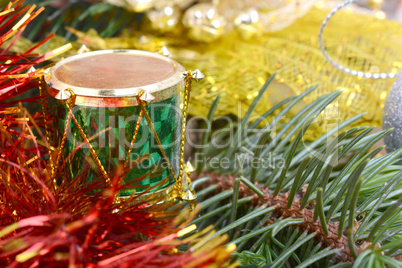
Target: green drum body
(106, 108)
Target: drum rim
(161, 90)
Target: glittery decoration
(295, 55)
(392, 117)
(45, 224)
(248, 24)
(145, 5)
(164, 18)
(274, 15)
(204, 22)
(355, 40)
(207, 20)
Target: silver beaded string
(338, 66)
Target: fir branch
(280, 201)
(341, 203)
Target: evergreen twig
(280, 201)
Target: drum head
(117, 73)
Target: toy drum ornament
(121, 108)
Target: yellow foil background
(236, 68)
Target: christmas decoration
(146, 5)
(18, 76)
(285, 201)
(66, 227)
(392, 116)
(204, 23)
(391, 110)
(295, 51)
(272, 16)
(282, 199)
(47, 222)
(108, 105)
(248, 24)
(164, 18)
(209, 20)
